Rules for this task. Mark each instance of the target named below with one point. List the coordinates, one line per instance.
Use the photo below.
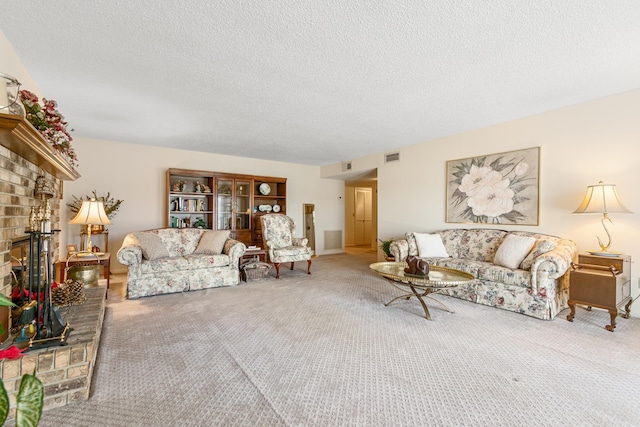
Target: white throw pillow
(430, 245)
(513, 250)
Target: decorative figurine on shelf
(200, 206)
(179, 186)
(198, 187)
(417, 267)
(206, 188)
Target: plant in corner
(385, 245)
(30, 398)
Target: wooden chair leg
(291, 266)
(308, 266)
(277, 265)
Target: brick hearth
(65, 371)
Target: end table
(104, 259)
(602, 282)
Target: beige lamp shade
(91, 213)
(602, 199)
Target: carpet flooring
(323, 350)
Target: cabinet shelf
(182, 194)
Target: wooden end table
(104, 259)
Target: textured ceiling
(318, 82)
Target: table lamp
(602, 198)
(91, 213)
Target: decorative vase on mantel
(9, 98)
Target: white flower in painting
(521, 169)
(492, 201)
(479, 178)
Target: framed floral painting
(497, 188)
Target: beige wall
(580, 145)
(136, 174)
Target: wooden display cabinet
(603, 282)
(223, 201)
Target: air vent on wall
(392, 157)
(333, 239)
(346, 166)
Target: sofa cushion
(207, 261)
(451, 239)
(505, 275)
(430, 245)
(190, 238)
(513, 250)
(212, 242)
(164, 265)
(480, 244)
(468, 266)
(172, 239)
(542, 246)
(152, 246)
(291, 251)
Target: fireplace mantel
(19, 136)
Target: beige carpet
(323, 350)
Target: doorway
(361, 219)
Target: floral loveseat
(170, 260)
(518, 271)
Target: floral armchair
(277, 234)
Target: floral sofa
(519, 271)
(167, 260)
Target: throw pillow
(212, 242)
(152, 246)
(541, 247)
(513, 250)
(430, 245)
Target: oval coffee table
(439, 278)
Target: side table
(602, 282)
(260, 254)
(104, 259)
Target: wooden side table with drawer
(603, 282)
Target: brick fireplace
(64, 370)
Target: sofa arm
(235, 249)
(300, 241)
(553, 264)
(399, 249)
(130, 253)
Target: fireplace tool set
(40, 320)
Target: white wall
(580, 145)
(136, 174)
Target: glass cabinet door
(242, 205)
(224, 204)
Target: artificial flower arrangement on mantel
(50, 123)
